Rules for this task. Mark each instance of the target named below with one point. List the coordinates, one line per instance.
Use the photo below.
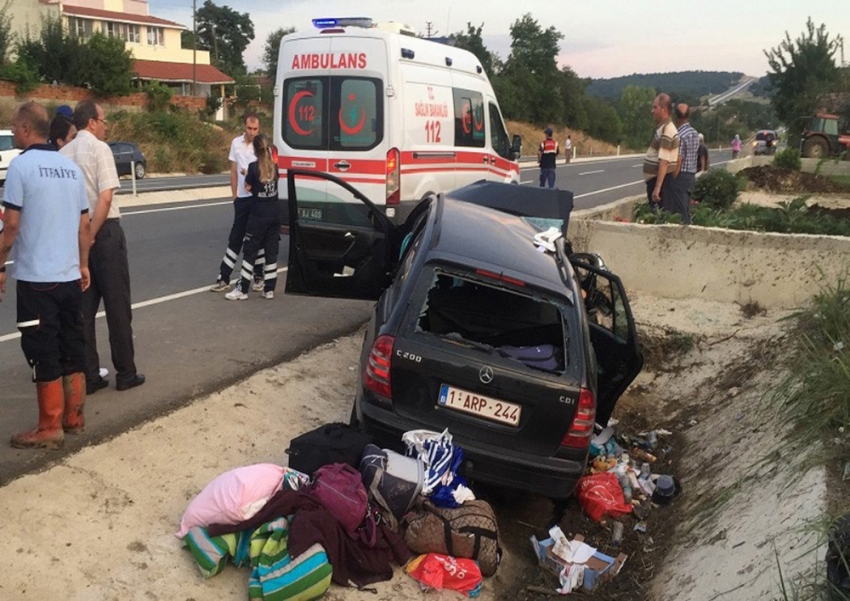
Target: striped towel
(275, 576)
(436, 451)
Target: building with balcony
(153, 42)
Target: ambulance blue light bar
(342, 22)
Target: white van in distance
(396, 116)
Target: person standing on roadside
(47, 223)
(62, 131)
(568, 149)
(110, 270)
(263, 229)
(702, 156)
(241, 155)
(736, 146)
(686, 167)
(546, 154)
(659, 164)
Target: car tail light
(275, 154)
(376, 376)
(393, 177)
(578, 436)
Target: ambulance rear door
(357, 117)
(302, 136)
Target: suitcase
(331, 443)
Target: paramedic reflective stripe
(28, 324)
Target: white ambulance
(396, 116)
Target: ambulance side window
(356, 113)
(303, 125)
(498, 135)
(469, 118)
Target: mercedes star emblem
(486, 374)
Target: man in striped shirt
(686, 167)
(659, 165)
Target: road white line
(592, 172)
(638, 165)
(192, 206)
(531, 181)
(608, 189)
(142, 304)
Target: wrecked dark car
(519, 352)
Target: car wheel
(140, 171)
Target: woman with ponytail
(263, 231)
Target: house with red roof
(153, 42)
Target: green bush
(788, 159)
(25, 78)
(717, 189)
(159, 96)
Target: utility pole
(429, 26)
(194, 47)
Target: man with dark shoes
(110, 271)
(47, 223)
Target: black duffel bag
(331, 443)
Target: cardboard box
(598, 569)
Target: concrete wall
(773, 270)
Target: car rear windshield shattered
(524, 328)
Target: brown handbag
(468, 531)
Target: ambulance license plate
(313, 214)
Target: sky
(602, 38)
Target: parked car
(7, 152)
(765, 142)
(129, 157)
(517, 352)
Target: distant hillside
(692, 84)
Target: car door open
(612, 333)
(340, 244)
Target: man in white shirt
(110, 270)
(241, 155)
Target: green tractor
(823, 137)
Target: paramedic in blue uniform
(47, 223)
(546, 159)
(241, 155)
(263, 228)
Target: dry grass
(533, 135)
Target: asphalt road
(599, 182)
(189, 341)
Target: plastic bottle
(652, 438)
(617, 534)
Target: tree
(225, 33)
(474, 43)
(6, 36)
(101, 63)
(603, 122)
(109, 65)
(635, 109)
(272, 49)
(532, 71)
(573, 88)
(801, 71)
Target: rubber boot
(48, 434)
(74, 422)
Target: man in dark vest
(546, 159)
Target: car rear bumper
(549, 476)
